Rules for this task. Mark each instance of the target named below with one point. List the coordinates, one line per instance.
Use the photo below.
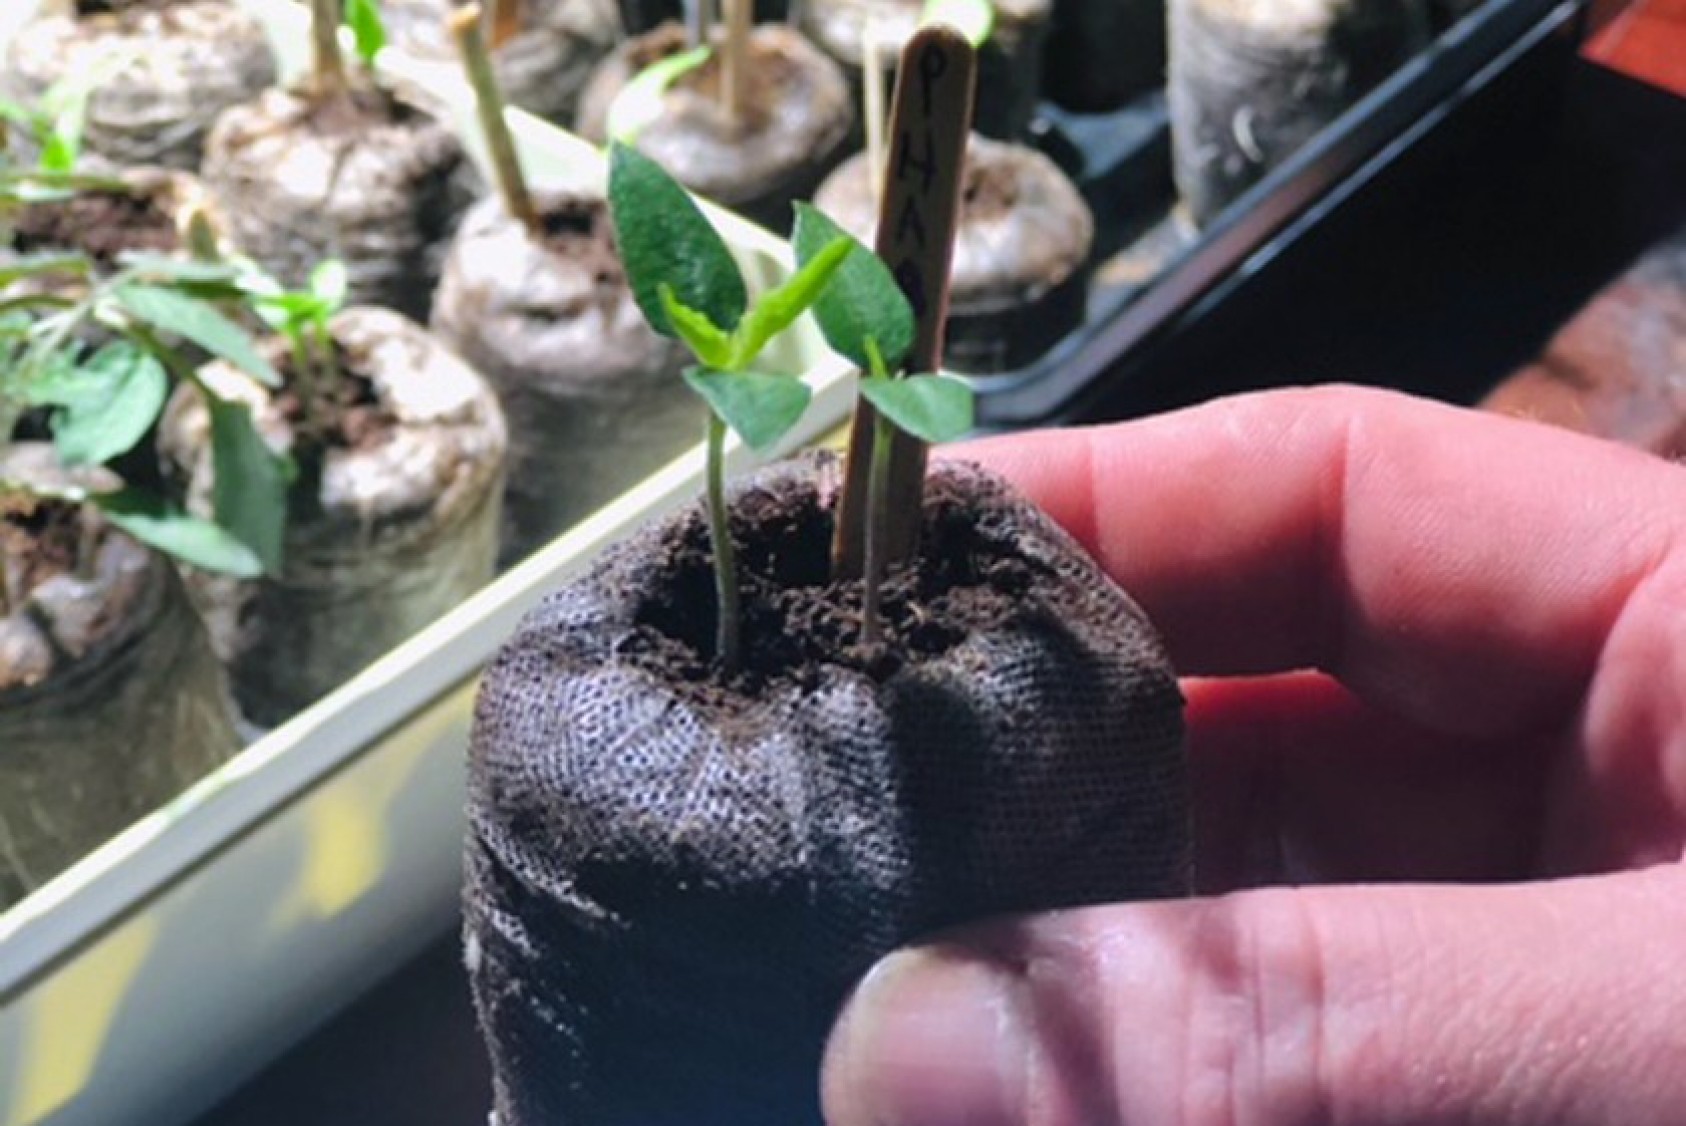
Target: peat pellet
(593, 396)
(1614, 371)
(543, 67)
(1009, 61)
(1250, 81)
(794, 129)
(676, 873)
(1101, 53)
(1020, 272)
(392, 521)
(148, 209)
(175, 66)
(358, 175)
(111, 701)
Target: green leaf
(933, 408)
(974, 19)
(105, 405)
(639, 102)
(664, 237)
(712, 347)
(329, 284)
(189, 271)
(761, 408)
(194, 320)
(863, 300)
(48, 262)
(778, 307)
(249, 495)
(367, 28)
(188, 538)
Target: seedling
(689, 288)
(58, 119)
(302, 317)
(103, 400)
(866, 318)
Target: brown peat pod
(341, 167)
(1250, 81)
(534, 296)
(716, 776)
(791, 127)
(161, 70)
(1010, 53)
(1020, 275)
(111, 701)
(675, 875)
(391, 520)
(593, 397)
(545, 51)
(145, 209)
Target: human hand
(1496, 613)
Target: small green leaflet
(863, 300)
(639, 102)
(774, 311)
(105, 405)
(711, 346)
(194, 320)
(249, 495)
(760, 408)
(48, 262)
(188, 538)
(974, 19)
(364, 19)
(933, 408)
(163, 267)
(329, 284)
(664, 237)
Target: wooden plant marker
(464, 24)
(734, 59)
(918, 212)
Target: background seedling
(302, 317)
(689, 288)
(103, 400)
(368, 34)
(489, 100)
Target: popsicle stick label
(919, 210)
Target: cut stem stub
(489, 101)
(328, 64)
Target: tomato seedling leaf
(183, 316)
(188, 538)
(760, 408)
(863, 300)
(933, 408)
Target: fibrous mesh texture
(674, 876)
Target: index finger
(1459, 568)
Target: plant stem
(726, 634)
(328, 64)
(304, 374)
(734, 59)
(488, 99)
(877, 525)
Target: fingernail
(931, 1037)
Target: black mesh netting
(674, 876)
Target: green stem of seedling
(726, 639)
(877, 532)
(304, 373)
(328, 64)
(875, 536)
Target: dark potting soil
(796, 619)
(581, 231)
(124, 9)
(38, 540)
(101, 224)
(354, 418)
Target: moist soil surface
(101, 224)
(348, 415)
(582, 232)
(797, 620)
(39, 539)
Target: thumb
(1553, 1002)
